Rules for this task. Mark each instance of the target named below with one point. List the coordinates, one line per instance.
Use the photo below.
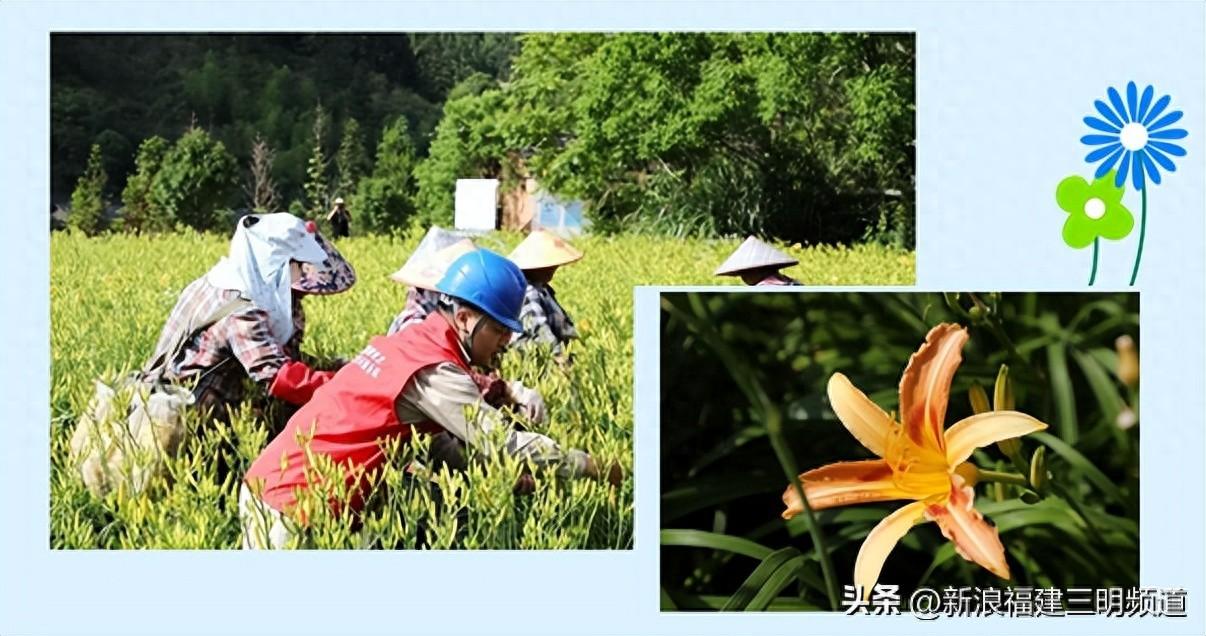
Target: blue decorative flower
(1136, 132)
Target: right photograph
(851, 451)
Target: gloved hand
(295, 382)
(528, 401)
(615, 474)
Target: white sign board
(476, 204)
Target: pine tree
(351, 159)
(317, 190)
(88, 198)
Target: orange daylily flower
(918, 460)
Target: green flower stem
(1142, 230)
(1093, 272)
(1004, 478)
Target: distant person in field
(418, 377)
(244, 319)
(340, 219)
(544, 319)
(758, 264)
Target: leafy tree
(88, 198)
(139, 213)
(198, 176)
(468, 144)
(383, 201)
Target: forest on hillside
(806, 137)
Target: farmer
(417, 377)
(340, 218)
(544, 320)
(422, 272)
(244, 319)
(758, 264)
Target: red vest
(353, 413)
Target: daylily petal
(866, 422)
(975, 539)
(842, 484)
(981, 430)
(925, 386)
(880, 542)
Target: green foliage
(468, 144)
(350, 160)
(723, 479)
(317, 189)
(447, 59)
(88, 199)
(197, 177)
(141, 85)
(792, 134)
(139, 215)
(383, 201)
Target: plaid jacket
(419, 303)
(222, 356)
(777, 280)
(544, 321)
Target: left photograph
(339, 290)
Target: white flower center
(1094, 208)
(1134, 136)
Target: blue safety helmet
(488, 281)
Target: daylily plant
(917, 460)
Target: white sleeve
(443, 393)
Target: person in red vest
(418, 377)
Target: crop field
(110, 295)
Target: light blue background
(1001, 91)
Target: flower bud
(979, 399)
(1128, 361)
(1126, 418)
(1002, 399)
(1038, 469)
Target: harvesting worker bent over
(758, 264)
(244, 318)
(544, 320)
(417, 377)
(422, 272)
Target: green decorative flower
(1094, 210)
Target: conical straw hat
(753, 254)
(543, 249)
(431, 258)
